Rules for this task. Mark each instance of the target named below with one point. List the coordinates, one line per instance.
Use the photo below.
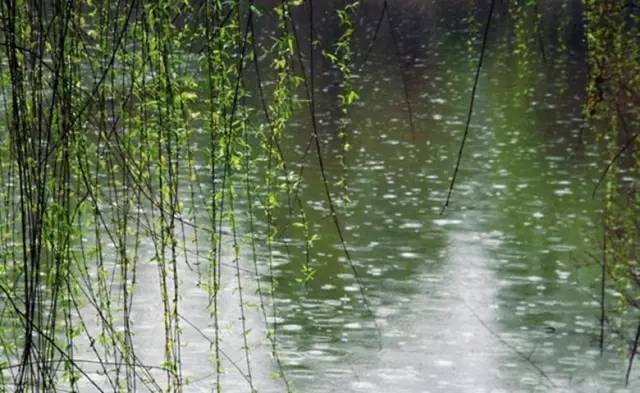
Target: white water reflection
(197, 331)
(436, 344)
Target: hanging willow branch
(485, 36)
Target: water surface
(497, 294)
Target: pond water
(497, 294)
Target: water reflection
(489, 297)
(493, 295)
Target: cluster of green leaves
(342, 58)
(104, 107)
(613, 98)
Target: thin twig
(470, 113)
(522, 355)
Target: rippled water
(498, 294)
